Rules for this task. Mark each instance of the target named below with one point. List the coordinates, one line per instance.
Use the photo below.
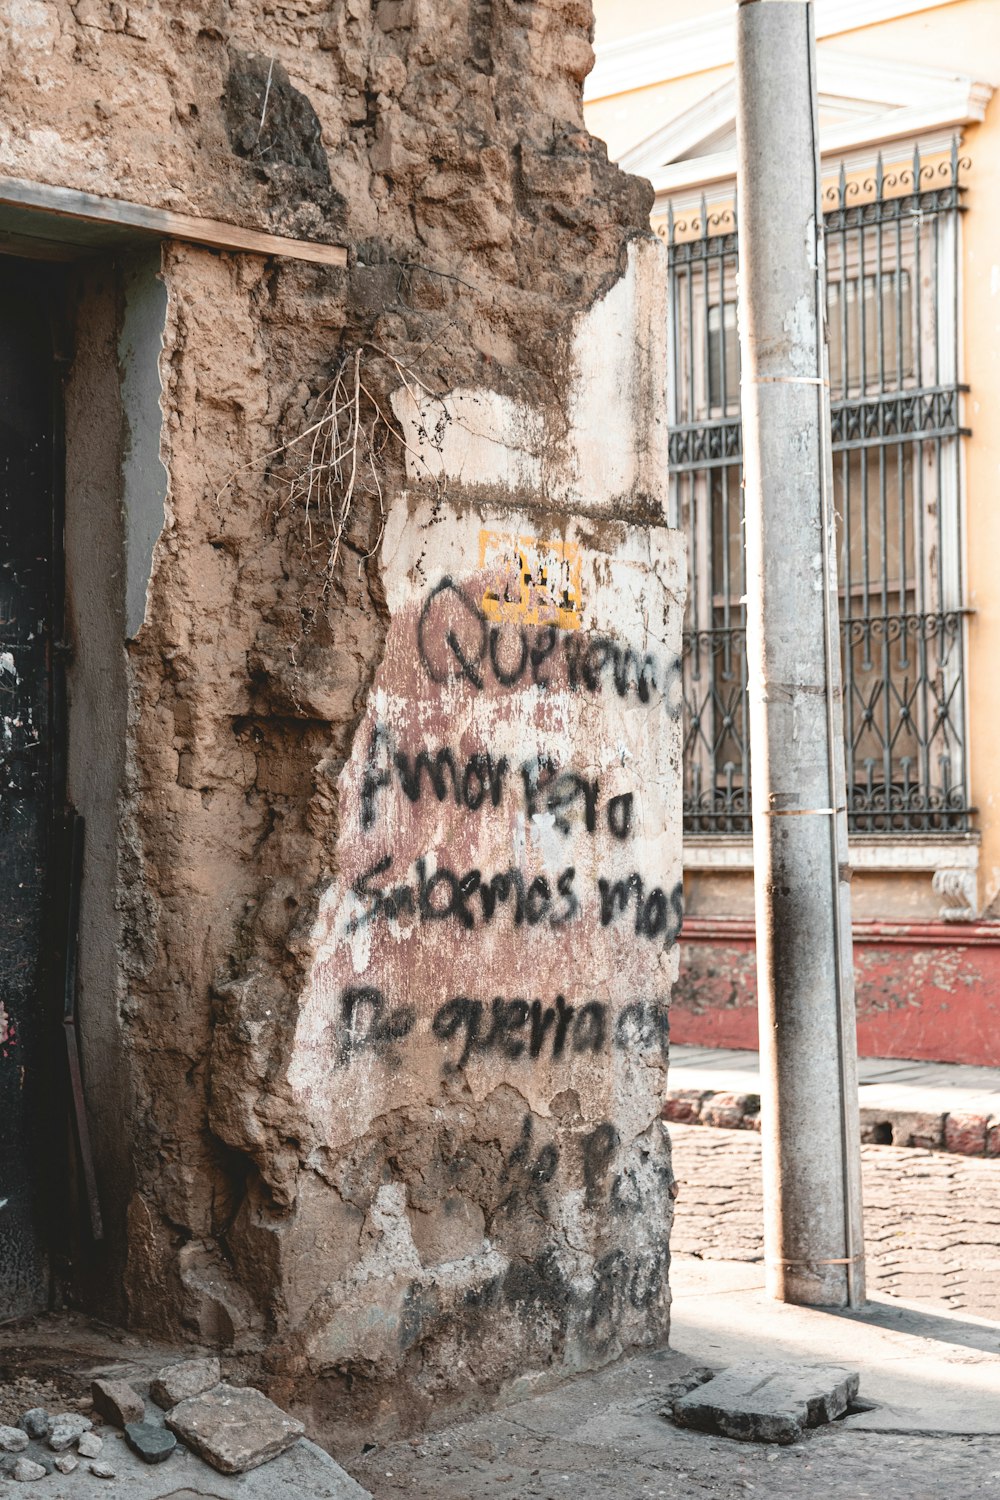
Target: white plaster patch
(814, 245)
(30, 25)
(799, 326)
(479, 437)
(617, 445)
(607, 449)
(394, 1250)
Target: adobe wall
(399, 854)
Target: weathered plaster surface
(493, 964)
(379, 1235)
(602, 448)
(144, 479)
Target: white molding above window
(718, 192)
(952, 863)
(873, 102)
(683, 134)
(927, 852)
(686, 47)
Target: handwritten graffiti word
(599, 1150)
(626, 1183)
(480, 781)
(474, 899)
(437, 896)
(368, 1024)
(533, 581)
(656, 913)
(547, 789)
(517, 1028)
(527, 1172)
(455, 640)
(620, 1280)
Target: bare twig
(340, 456)
(267, 95)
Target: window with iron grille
(892, 248)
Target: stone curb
(960, 1134)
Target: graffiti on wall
(509, 896)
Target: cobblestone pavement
(932, 1221)
(601, 1437)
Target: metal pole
(813, 1240)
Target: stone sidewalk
(931, 1106)
(932, 1220)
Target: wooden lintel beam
(96, 212)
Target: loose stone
(182, 1381)
(763, 1403)
(13, 1439)
(36, 1422)
(67, 1427)
(117, 1401)
(25, 1470)
(66, 1463)
(89, 1445)
(234, 1428)
(152, 1443)
(101, 1470)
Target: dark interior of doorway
(32, 781)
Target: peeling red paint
(925, 990)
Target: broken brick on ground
(234, 1428)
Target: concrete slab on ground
(765, 1402)
(930, 1370)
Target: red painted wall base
(925, 990)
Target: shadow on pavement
(924, 1324)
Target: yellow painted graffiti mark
(531, 581)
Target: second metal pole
(813, 1240)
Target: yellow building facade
(910, 143)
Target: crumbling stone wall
(435, 1223)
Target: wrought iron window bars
(892, 248)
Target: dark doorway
(31, 772)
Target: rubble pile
(232, 1428)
